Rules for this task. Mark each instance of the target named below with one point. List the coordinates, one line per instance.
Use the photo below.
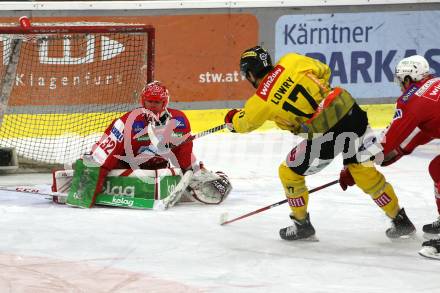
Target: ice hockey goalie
(144, 159)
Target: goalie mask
(208, 187)
(155, 97)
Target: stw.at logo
(109, 49)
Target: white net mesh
(60, 90)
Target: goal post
(62, 84)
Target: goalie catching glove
(208, 187)
(203, 186)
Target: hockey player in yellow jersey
(296, 95)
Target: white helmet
(416, 67)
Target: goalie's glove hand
(208, 187)
(228, 119)
(345, 179)
(393, 156)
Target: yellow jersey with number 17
(289, 95)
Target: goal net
(62, 84)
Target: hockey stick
(33, 190)
(224, 220)
(206, 132)
(176, 194)
(190, 138)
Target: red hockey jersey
(417, 117)
(126, 144)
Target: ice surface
(54, 248)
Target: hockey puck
(223, 218)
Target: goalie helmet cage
(62, 84)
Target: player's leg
(297, 196)
(367, 177)
(434, 171)
(309, 157)
(373, 183)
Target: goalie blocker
(143, 189)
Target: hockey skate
(431, 249)
(300, 230)
(401, 227)
(432, 230)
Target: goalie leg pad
(86, 184)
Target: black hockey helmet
(257, 61)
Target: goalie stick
(35, 190)
(224, 220)
(177, 193)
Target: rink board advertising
(195, 56)
(362, 48)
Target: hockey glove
(345, 179)
(393, 156)
(228, 119)
(208, 187)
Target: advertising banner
(84, 69)
(362, 49)
(196, 57)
